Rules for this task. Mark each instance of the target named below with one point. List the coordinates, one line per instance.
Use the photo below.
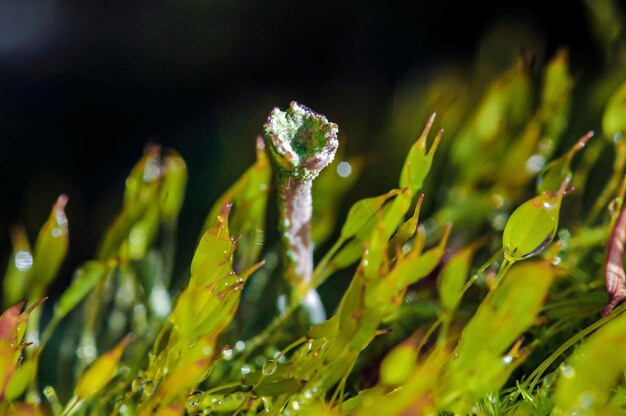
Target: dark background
(85, 85)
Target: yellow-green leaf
(19, 269)
(50, 247)
(101, 371)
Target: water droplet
(499, 221)
(567, 371)
(245, 369)
(149, 387)
(23, 260)
(240, 345)
(87, 353)
(508, 359)
(137, 384)
(227, 352)
(269, 367)
(344, 169)
(295, 405)
(497, 200)
(282, 303)
(259, 360)
(195, 398)
(535, 163)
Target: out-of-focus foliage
(477, 281)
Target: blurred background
(84, 86)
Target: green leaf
(613, 121)
(362, 211)
(85, 279)
(556, 102)
(398, 365)
(590, 374)
(557, 172)
(146, 172)
(481, 364)
(172, 190)
(453, 277)
(19, 268)
(141, 202)
(418, 162)
(50, 248)
(21, 379)
(101, 371)
(532, 226)
(374, 256)
(214, 256)
(248, 197)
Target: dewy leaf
(499, 321)
(388, 292)
(50, 247)
(19, 269)
(249, 198)
(373, 257)
(101, 371)
(143, 232)
(141, 203)
(532, 225)
(207, 310)
(147, 171)
(362, 211)
(558, 171)
(408, 229)
(189, 369)
(613, 120)
(589, 375)
(214, 256)
(418, 161)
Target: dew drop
(567, 371)
(23, 260)
(195, 398)
(137, 384)
(148, 388)
(269, 367)
(227, 353)
(344, 169)
(535, 163)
